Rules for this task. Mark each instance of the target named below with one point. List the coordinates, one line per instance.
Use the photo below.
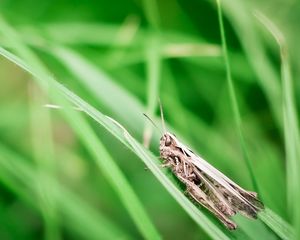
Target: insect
(205, 184)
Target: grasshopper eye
(168, 141)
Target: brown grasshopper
(205, 184)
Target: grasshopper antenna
(151, 121)
(162, 116)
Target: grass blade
(291, 127)
(149, 159)
(277, 224)
(153, 63)
(14, 166)
(92, 143)
(102, 87)
(43, 151)
(233, 99)
(241, 19)
(113, 174)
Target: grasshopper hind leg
(224, 219)
(200, 197)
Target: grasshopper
(205, 184)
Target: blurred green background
(64, 176)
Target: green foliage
(78, 171)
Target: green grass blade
(291, 127)
(241, 19)
(277, 224)
(233, 99)
(150, 160)
(151, 13)
(153, 63)
(102, 87)
(113, 174)
(110, 169)
(43, 151)
(14, 167)
(75, 33)
(285, 231)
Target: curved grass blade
(100, 86)
(233, 99)
(266, 213)
(15, 170)
(238, 14)
(113, 174)
(150, 160)
(291, 127)
(109, 168)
